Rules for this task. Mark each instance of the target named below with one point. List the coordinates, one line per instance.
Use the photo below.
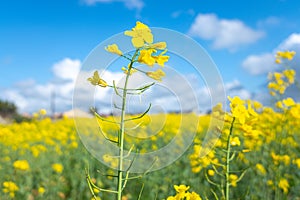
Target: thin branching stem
(122, 129)
(228, 148)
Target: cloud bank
(224, 33)
(168, 96)
(259, 64)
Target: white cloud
(264, 63)
(66, 69)
(259, 64)
(130, 4)
(30, 96)
(224, 33)
(291, 43)
(235, 88)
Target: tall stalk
(122, 129)
(228, 151)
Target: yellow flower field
(45, 159)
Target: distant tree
(7, 109)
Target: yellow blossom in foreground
(156, 75)
(57, 167)
(211, 172)
(114, 49)
(41, 190)
(21, 165)
(182, 193)
(233, 179)
(146, 57)
(284, 185)
(286, 54)
(193, 196)
(279, 104)
(158, 45)
(140, 34)
(238, 109)
(125, 70)
(261, 168)
(96, 80)
(295, 111)
(181, 188)
(297, 162)
(43, 112)
(290, 75)
(288, 102)
(10, 187)
(161, 58)
(97, 198)
(235, 141)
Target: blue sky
(36, 36)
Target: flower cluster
(147, 52)
(10, 188)
(22, 165)
(182, 193)
(280, 81)
(284, 55)
(58, 168)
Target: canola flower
(261, 169)
(22, 165)
(182, 193)
(57, 167)
(41, 190)
(140, 34)
(284, 55)
(114, 49)
(284, 185)
(280, 81)
(10, 187)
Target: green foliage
(7, 109)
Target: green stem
(227, 189)
(122, 130)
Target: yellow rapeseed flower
(284, 185)
(22, 165)
(161, 59)
(193, 196)
(279, 104)
(235, 141)
(140, 34)
(41, 190)
(156, 75)
(289, 75)
(158, 45)
(211, 172)
(295, 111)
(114, 49)
(146, 57)
(43, 112)
(181, 188)
(10, 187)
(233, 180)
(288, 102)
(58, 168)
(286, 54)
(96, 80)
(261, 168)
(297, 162)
